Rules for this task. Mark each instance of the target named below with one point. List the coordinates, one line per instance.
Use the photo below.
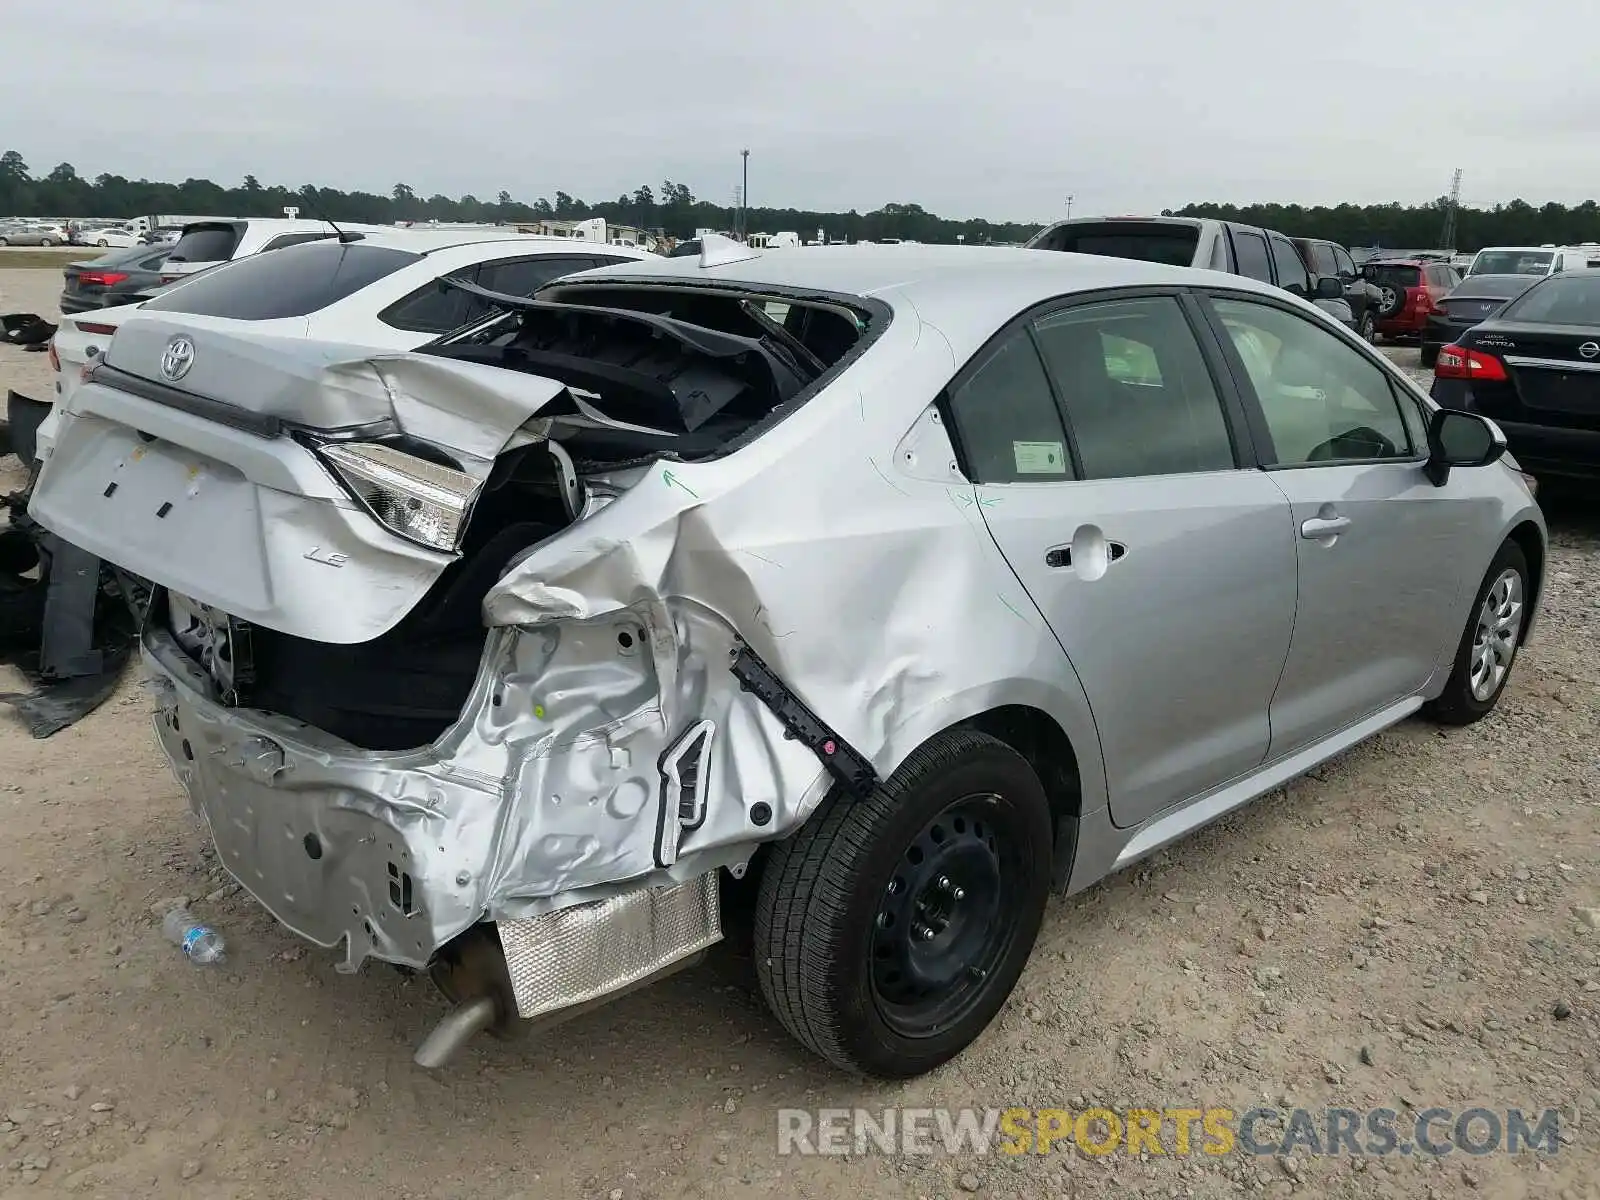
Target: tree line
(674, 208)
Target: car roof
(427, 241)
(964, 290)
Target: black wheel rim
(945, 918)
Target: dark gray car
(111, 279)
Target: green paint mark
(988, 501)
(538, 711)
(1014, 612)
(672, 480)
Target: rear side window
(1251, 251)
(152, 262)
(206, 243)
(1007, 420)
(525, 276)
(1342, 262)
(294, 282)
(1137, 392)
(1322, 260)
(1291, 270)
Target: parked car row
(505, 619)
(32, 233)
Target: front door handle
(1317, 528)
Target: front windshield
(1512, 262)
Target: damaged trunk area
(680, 374)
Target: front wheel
(1488, 644)
(890, 930)
(102, 242)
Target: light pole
(744, 202)
(1069, 206)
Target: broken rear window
(685, 370)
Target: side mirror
(1461, 439)
(1329, 287)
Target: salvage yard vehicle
(1473, 300)
(1323, 257)
(110, 280)
(899, 582)
(382, 290)
(1534, 367)
(1411, 289)
(1229, 246)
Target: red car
(1411, 289)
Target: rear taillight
(101, 278)
(95, 327)
(1458, 362)
(55, 359)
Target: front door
(1381, 551)
(1107, 474)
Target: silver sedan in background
(878, 589)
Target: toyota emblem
(177, 358)
(1589, 349)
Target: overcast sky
(992, 108)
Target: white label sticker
(1039, 458)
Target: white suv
(206, 244)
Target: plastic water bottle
(200, 944)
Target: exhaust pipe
(454, 1030)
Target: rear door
(1289, 267)
(1380, 549)
(1109, 468)
(1250, 252)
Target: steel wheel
(942, 922)
(1494, 644)
(890, 928)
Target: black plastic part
(262, 425)
(24, 415)
(843, 761)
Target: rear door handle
(1317, 528)
(1061, 556)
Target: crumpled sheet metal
(865, 578)
(844, 549)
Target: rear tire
(1368, 329)
(890, 930)
(1489, 643)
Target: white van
(1534, 260)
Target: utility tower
(1447, 236)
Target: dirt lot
(1399, 929)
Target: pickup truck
(1228, 246)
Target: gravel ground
(1407, 926)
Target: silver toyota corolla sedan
(901, 584)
